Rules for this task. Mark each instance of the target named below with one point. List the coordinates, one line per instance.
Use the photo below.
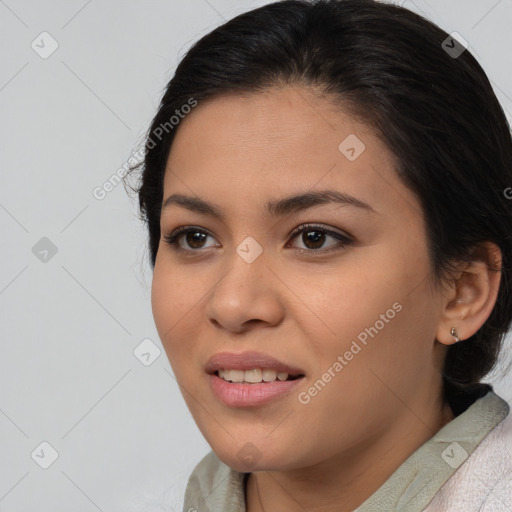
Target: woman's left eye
(313, 237)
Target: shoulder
(208, 473)
(214, 486)
(484, 481)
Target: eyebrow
(275, 208)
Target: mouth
(251, 379)
(233, 362)
(255, 375)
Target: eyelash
(343, 240)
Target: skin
(306, 309)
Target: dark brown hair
(392, 68)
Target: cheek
(172, 303)
(341, 302)
(368, 308)
(162, 299)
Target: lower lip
(250, 395)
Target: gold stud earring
(453, 332)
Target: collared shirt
(215, 487)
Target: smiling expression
(289, 249)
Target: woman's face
(347, 303)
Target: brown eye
(194, 239)
(314, 237)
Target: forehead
(277, 142)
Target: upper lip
(248, 361)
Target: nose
(246, 296)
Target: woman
(324, 187)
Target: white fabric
(483, 483)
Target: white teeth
(269, 375)
(236, 375)
(254, 376)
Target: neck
(343, 482)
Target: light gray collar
(214, 487)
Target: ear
(469, 299)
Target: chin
(247, 456)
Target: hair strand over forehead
(438, 115)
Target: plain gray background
(75, 280)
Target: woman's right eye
(194, 237)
